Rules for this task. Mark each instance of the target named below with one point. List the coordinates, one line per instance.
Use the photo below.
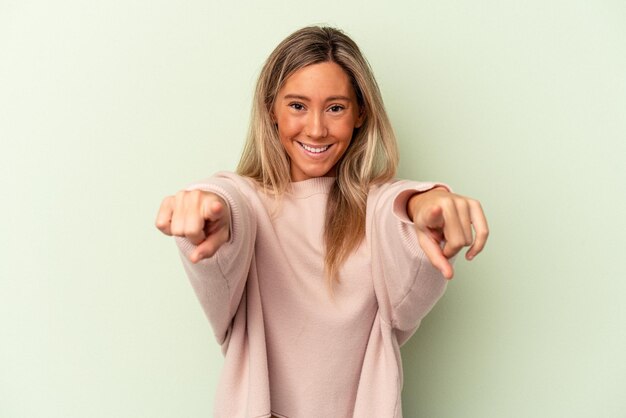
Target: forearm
(219, 280)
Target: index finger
(435, 255)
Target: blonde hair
(371, 157)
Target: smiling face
(316, 111)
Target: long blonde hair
(371, 157)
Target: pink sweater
(289, 349)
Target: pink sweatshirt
(290, 350)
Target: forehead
(322, 79)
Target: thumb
(213, 209)
(431, 218)
(216, 215)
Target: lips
(314, 150)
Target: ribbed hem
(406, 226)
(409, 237)
(402, 199)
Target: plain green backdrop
(106, 107)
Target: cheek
(287, 127)
(345, 131)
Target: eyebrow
(328, 99)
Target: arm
(411, 283)
(215, 232)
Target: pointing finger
(209, 246)
(435, 255)
(452, 231)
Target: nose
(316, 126)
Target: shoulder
(228, 180)
(378, 188)
(239, 180)
(381, 191)
(395, 186)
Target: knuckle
(161, 224)
(166, 201)
(195, 194)
(191, 230)
(446, 202)
(456, 244)
(449, 252)
(462, 203)
(177, 230)
(180, 195)
(476, 203)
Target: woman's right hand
(201, 217)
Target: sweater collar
(312, 186)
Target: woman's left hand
(445, 223)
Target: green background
(107, 107)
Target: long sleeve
(219, 281)
(410, 284)
(265, 296)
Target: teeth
(315, 150)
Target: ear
(361, 118)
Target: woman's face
(316, 111)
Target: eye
(336, 108)
(296, 106)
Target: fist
(201, 217)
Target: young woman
(312, 263)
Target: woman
(312, 264)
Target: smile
(314, 149)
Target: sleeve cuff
(401, 199)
